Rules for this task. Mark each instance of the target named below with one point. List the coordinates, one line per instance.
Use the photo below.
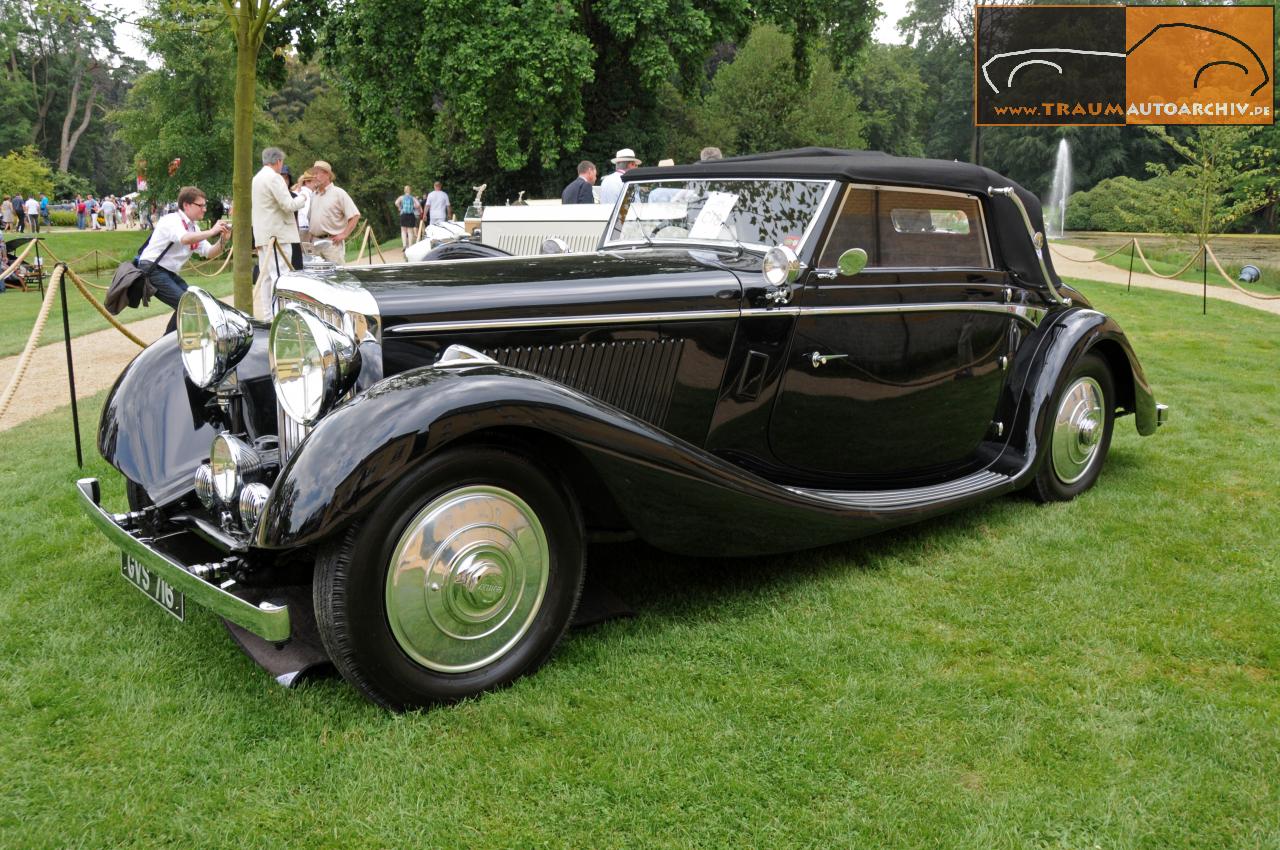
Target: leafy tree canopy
(25, 171)
(527, 83)
(756, 104)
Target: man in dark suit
(579, 191)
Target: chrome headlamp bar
(1037, 240)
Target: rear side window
(905, 229)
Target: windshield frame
(606, 243)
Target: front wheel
(1080, 433)
(463, 578)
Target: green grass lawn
(1098, 674)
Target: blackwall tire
(463, 578)
(1079, 433)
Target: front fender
(675, 495)
(1056, 347)
(156, 428)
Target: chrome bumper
(267, 621)
(1162, 414)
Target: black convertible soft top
(1008, 231)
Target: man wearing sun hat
(611, 186)
(333, 214)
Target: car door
(894, 373)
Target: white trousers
(270, 266)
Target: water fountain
(1055, 212)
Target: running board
(914, 497)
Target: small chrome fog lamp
(313, 363)
(204, 486)
(233, 462)
(253, 498)
(212, 337)
(781, 265)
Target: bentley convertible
(764, 353)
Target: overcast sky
(129, 41)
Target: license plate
(160, 591)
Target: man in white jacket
(273, 209)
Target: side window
(923, 229)
(855, 227)
(905, 229)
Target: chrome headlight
(312, 363)
(233, 462)
(781, 265)
(212, 337)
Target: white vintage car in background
(518, 230)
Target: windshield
(755, 213)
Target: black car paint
(705, 478)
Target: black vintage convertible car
(765, 353)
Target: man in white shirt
(438, 204)
(109, 213)
(273, 209)
(611, 186)
(32, 210)
(171, 244)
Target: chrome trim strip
(891, 500)
(1037, 240)
(1033, 316)
(267, 621)
(550, 321)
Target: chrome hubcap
(467, 578)
(1077, 430)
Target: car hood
(606, 283)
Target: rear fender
(1042, 371)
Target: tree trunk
(69, 145)
(242, 165)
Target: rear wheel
(1079, 434)
(462, 579)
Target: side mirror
(852, 261)
(554, 245)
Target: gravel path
(100, 356)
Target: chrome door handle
(822, 359)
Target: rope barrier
(1143, 257)
(24, 360)
(54, 257)
(221, 269)
(18, 260)
(378, 245)
(1231, 280)
(1207, 250)
(106, 314)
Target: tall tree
(183, 110)
(249, 20)
(59, 57)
